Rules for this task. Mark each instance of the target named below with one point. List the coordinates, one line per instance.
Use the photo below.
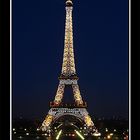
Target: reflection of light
(14, 129)
(37, 137)
(114, 130)
(15, 132)
(58, 134)
(37, 129)
(111, 134)
(79, 135)
(25, 129)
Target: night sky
(101, 55)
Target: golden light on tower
(88, 121)
(68, 77)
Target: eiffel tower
(68, 77)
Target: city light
(58, 134)
(108, 137)
(96, 134)
(27, 134)
(85, 134)
(126, 137)
(79, 135)
(20, 137)
(106, 130)
(14, 129)
(37, 137)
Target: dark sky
(101, 55)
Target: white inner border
(11, 69)
(129, 70)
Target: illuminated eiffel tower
(68, 77)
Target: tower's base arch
(74, 118)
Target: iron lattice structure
(68, 77)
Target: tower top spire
(69, 3)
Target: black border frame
(5, 70)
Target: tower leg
(59, 94)
(47, 122)
(77, 95)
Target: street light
(108, 137)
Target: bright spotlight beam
(79, 135)
(58, 134)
